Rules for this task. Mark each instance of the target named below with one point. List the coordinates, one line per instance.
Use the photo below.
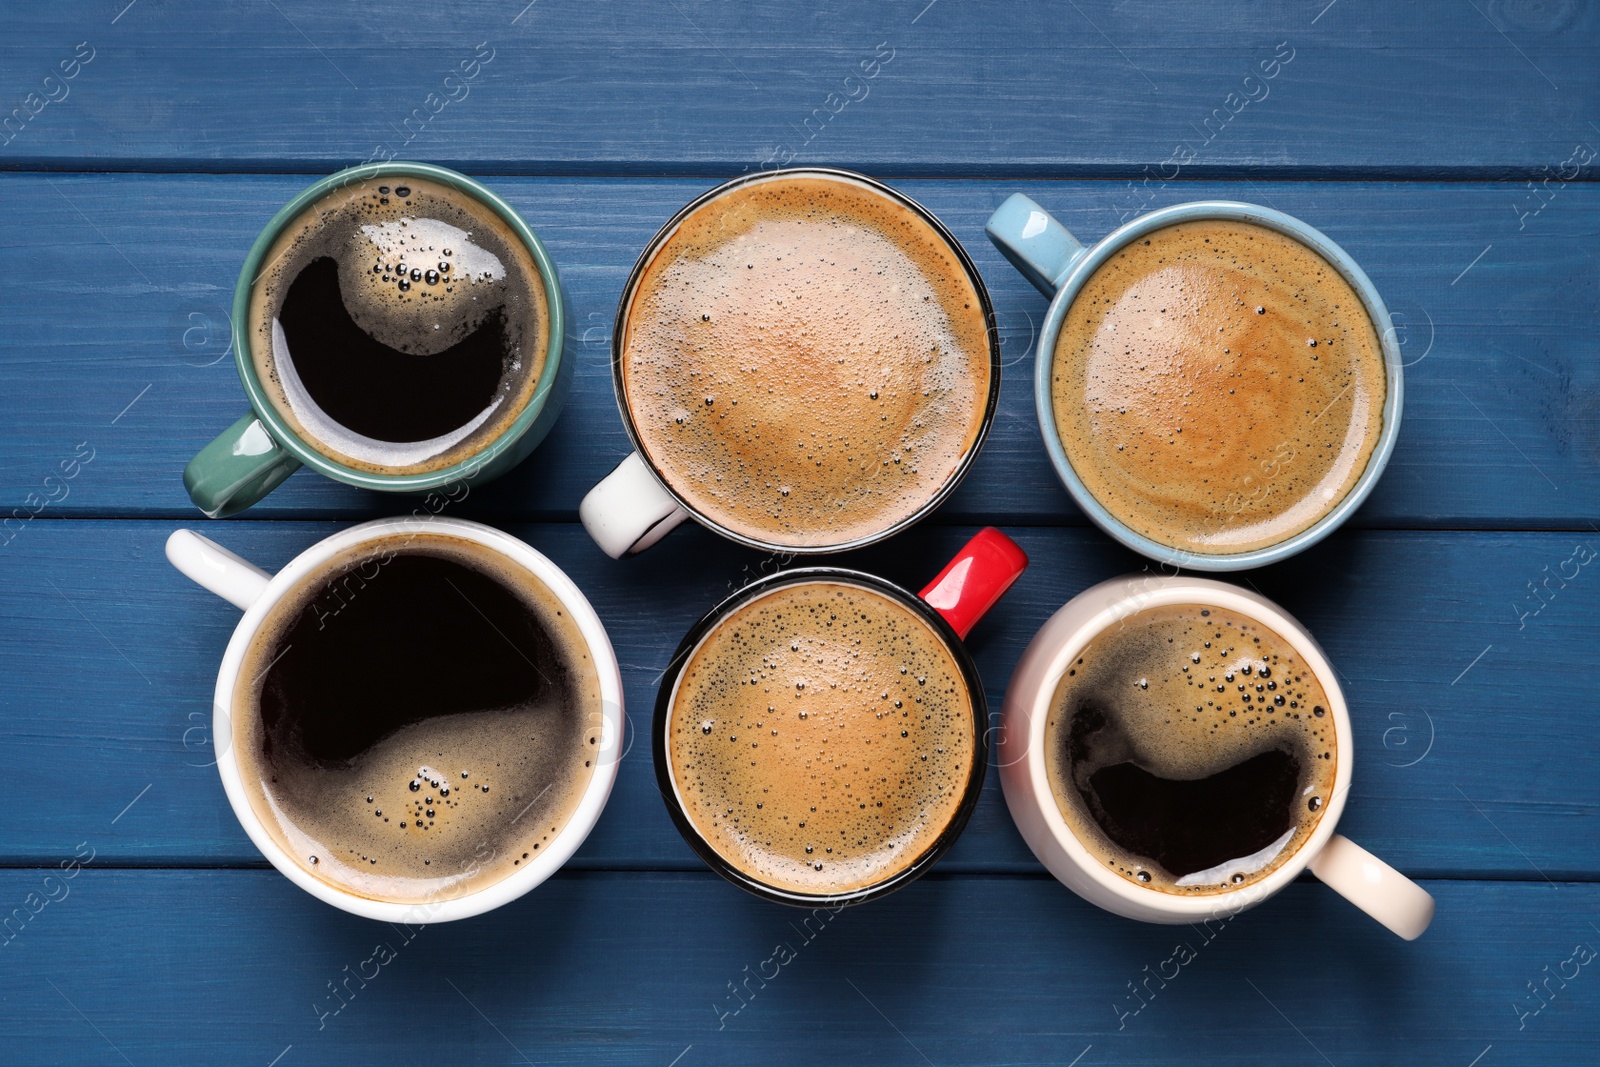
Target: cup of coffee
(397, 326)
(416, 720)
(805, 361)
(820, 737)
(1176, 749)
(1218, 384)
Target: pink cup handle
(978, 576)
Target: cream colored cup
(1362, 878)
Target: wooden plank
(239, 966)
(1096, 90)
(115, 322)
(1471, 699)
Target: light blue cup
(1058, 264)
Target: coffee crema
(806, 361)
(821, 738)
(1191, 749)
(419, 721)
(398, 325)
(1218, 386)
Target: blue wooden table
(1450, 147)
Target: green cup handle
(240, 467)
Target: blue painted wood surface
(695, 86)
(1501, 428)
(1403, 615)
(603, 967)
(1435, 142)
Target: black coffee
(420, 721)
(1192, 748)
(382, 392)
(399, 325)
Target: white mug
(636, 505)
(1363, 879)
(247, 586)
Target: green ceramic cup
(254, 455)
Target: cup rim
(991, 330)
(281, 432)
(1123, 598)
(584, 815)
(667, 691)
(1307, 235)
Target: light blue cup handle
(1051, 258)
(1036, 244)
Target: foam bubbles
(1204, 709)
(865, 766)
(1218, 386)
(806, 361)
(419, 285)
(465, 270)
(386, 822)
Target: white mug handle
(629, 511)
(231, 577)
(1373, 886)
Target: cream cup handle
(1373, 886)
(231, 577)
(629, 511)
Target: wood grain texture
(1472, 759)
(1088, 90)
(238, 966)
(114, 319)
(1434, 141)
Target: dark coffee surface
(821, 737)
(381, 392)
(1218, 386)
(806, 361)
(1191, 749)
(399, 325)
(420, 722)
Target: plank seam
(1110, 172)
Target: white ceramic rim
(584, 816)
(1214, 594)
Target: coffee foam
(427, 315)
(463, 263)
(1218, 386)
(1188, 691)
(492, 787)
(821, 737)
(806, 361)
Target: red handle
(979, 576)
